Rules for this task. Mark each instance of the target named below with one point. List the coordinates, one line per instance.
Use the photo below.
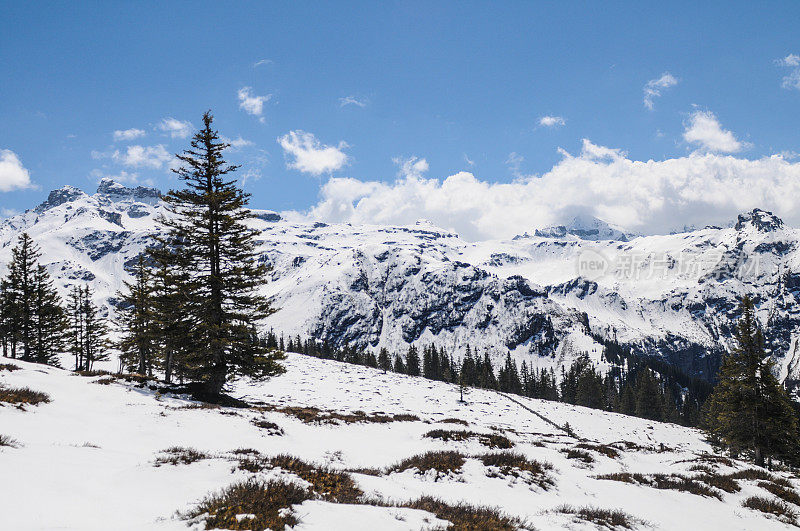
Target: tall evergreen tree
(748, 411)
(208, 223)
(135, 320)
(412, 361)
(31, 314)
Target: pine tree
(648, 396)
(135, 320)
(384, 360)
(94, 341)
(208, 224)
(31, 314)
(748, 411)
(412, 361)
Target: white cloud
(352, 100)
(139, 156)
(252, 104)
(704, 130)
(127, 134)
(262, 62)
(176, 128)
(792, 79)
(654, 87)
(311, 156)
(514, 162)
(236, 143)
(551, 121)
(644, 196)
(411, 166)
(469, 161)
(789, 60)
(13, 175)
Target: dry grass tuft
(466, 517)
(313, 415)
(453, 421)
(10, 367)
(19, 396)
(580, 455)
(180, 455)
(490, 440)
(512, 464)
(270, 427)
(252, 505)
(604, 449)
(330, 484)
(786, 494)
(602, 518)
(443, 463)
(665, 482)
(773, 507)
(8, 442)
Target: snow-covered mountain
(546, 297)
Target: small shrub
(8, 442)
(466, 517)
(10, 367)
(580, 455)
(454, 421)
(104, 381)
(605, 518)
(20, 396)
(606, 450)
(179, 455)
(719, 481)
(664, 482)
(332, 485)
(774, 507)
(312, 415)
(267, 505)
(513, 464)
(702, 468)
(490, 440)
(442, 462)
(786, 494)
(270, 427)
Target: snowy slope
(542, 297)
(86, 460)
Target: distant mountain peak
(65, 194)
(761, 220)
(119, 192)
(586, 228)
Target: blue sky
(377, 104)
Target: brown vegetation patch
(465, 517)
(773, 507)
(10, 367)
(270, 427)
(443, 463)
(20, 396)
(781, 491)
(512, 464)
(664, 482)
(453, 421)
(603, 518)
(605, 449)
(180, 455)
(490, 440)
(580, 455)
(253, 505)
(312, 415)
(330, 484)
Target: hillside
(94, 456)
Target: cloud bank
(650, 197)
(704, 130)
(13, 175)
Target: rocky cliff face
(545, 298)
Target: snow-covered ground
(86, 459)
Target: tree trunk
(168, 368)
(759, 456)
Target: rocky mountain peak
(585, 228)
(65, 194)
(119, 192)
(761, 220)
